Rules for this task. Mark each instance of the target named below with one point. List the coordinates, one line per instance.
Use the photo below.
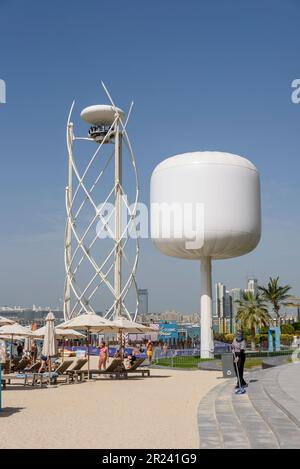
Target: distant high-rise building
(223, 307)
(143, 302)
(236, 294)
(252, 285)
(223, 301)
(226, 307)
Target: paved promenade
(267, 416)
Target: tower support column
(118, 222)
(207, 345)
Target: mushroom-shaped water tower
(205, 205)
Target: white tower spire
(90, 217)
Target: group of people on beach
(120, 353)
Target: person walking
(238, 348)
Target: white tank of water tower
(205, 205)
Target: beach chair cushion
(53, 374)
(23, 375)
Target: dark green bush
(263, 338)
(296, 326)
(286, 339)
(286, 329)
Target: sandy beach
(155, 412)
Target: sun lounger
(44, 378)
(60, 371)
(6, 367)
(33, 368)
(115, 369)
(23, 363)
(7, 378)
(135, 368)
(75, 372)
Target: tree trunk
(253, 330)
(277, 314)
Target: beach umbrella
(27, 345)
(14, 330)
(29, 340)
(91, 323)
(131, 327)
(5, 321)
(49, 345)
(59, 333)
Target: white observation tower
(97, 233)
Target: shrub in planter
(219, 336)
(286, 329)
(286, 339)
(263, 338)
(248, 339)
(229, 338)
(223, 337)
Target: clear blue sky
(220, 70)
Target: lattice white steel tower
(101, 225)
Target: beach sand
(155, 412)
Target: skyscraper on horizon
(223, 308)
(143, 302)
(226, 307)
(252, 285)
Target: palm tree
(276, 295)
(252, 313)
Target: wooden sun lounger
(33, 368)
(23, 363)
(135, 368)
(7, 378)
(115, 369)
(59, 372)
(75, 372)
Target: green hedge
(285, 338)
